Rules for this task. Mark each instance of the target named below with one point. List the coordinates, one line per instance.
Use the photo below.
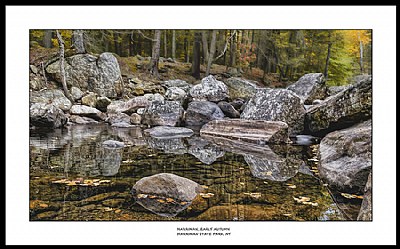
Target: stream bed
(74, 177)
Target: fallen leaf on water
(160, 200)
(108, 209)
(254, 195)
(290, 185)
(140, 196)
(204, 186)
(207, 195)
(170, 200)
(152, 196)
(61, 181)
(351, 196)
(302, 199)
(43, 205)
(287, 215)
(118, 211)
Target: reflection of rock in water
(165, 194)
(204, 151)
(110, 161)
(168, 145)
(274, 162)
(275, 170)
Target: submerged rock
(113, 144)
(276, 105)
(346, 158)
(310, 87)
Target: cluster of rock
(234, 110)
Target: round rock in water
(113, 144)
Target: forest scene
(200, 125)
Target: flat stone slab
(252, 131)
(168, 131)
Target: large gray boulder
(168, 113)
(252, 131)
(200, 112)
(88, 72)
(341, 110)
(46, 115)
(276, 105)
(346, 158)
(177, 83)
(175, 94)
(165, 194)
(210, 89)
(168, 132)
(228, 109)
(310, 87)
(241, 88)
(54, 96)
(168, 185)
(366, 205)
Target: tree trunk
(361, 56)
(131, 47)
(233, 51)
(196, 55)
(173, 44)
(48, 33)
(165, 44)
(155, 53)
(62, 69)
(212, 51)
(204, 38)
(327, 60)
(116, 44)
(78, 41)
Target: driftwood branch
(62, 69)
(226, 46)
(44, 73)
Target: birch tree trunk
(165, 44)
(47, 38)
(62, 69)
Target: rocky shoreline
(236, 108)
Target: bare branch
(226, 46)
(146, 37)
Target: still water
(74, 176)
